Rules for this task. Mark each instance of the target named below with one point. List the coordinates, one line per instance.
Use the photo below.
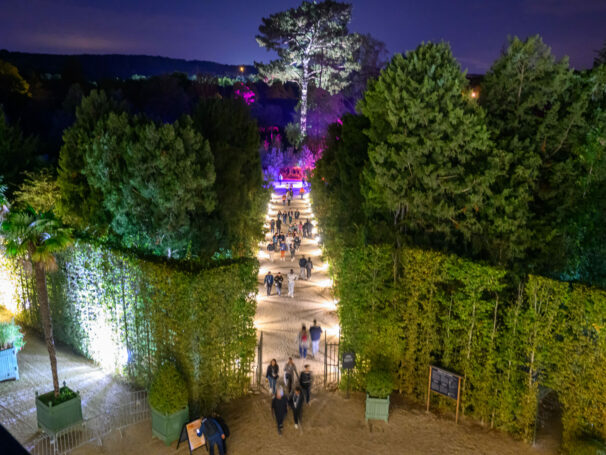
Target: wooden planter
(8, 365)
(53, 419)
(167, 427)
(377, 408)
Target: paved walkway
(280, 318)
(100, 391)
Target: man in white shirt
(292, 277)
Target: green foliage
(293, 134)
(379, 383)
(538, 111)
(39, 190)
(241, 199)
(154, 180)
(404, 309)
(11, 82)
(430, 156)
(11, 336)
(65, 394)
(168, 391)
(131, 314)
(313, 45)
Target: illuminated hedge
(129, 314)
(413, 308)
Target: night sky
(224, 30)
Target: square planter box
(167, 428)
(53, 419)
(8, 365)
(377, 408)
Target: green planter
(53, 419)
(377, 408)
(167, 428)
(8, 365)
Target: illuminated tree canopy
(313, 45)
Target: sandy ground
(332, 425)
(280, 318)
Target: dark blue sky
(224, 30)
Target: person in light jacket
(291, 283)
(290, 372)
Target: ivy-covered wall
(128, 314)
(406, 309)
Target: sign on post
(349, 360)
(189, 434)
(445, 383)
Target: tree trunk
(304, 84)
(47, 323)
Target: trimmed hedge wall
(129, 314)
(410, 308)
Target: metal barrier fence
(132, 410)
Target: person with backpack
(213, 434)
(304, 340)
(269, 282)
(291, 283)
(270, 251)
(302, 267)
(290, 371)
(305, 380)
(308, 266)
(297, 405)
(278, 280)
(279, 408)
(221, 421)
(272, 375)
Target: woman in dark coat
(279, 408)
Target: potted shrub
(379, 385)
(57, 412)
(168, 403)
(11, 342)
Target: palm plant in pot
(379, 385)
(168, 402)
(11, 342)
(34, 238)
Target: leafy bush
(586, 447)
(168, 392)
(65, 394)
(379, 384)
(11, 336)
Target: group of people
(289, 195)
(307, 338)
(291, 397)
(278, 280)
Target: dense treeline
(517, 179)
(440, 208)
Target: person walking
(305, 380)
(308, 266)
(269, 282)
(284, 199)
(290, 217)
(297, 214)
(278, 280)
(278, 224)
(291, 283)
(302, 192)
(302, 267)
(289, 197)
(213, 435)
(300, 228)
(270, 251)
(297, 405)
(284, 215)
(279, 408)
(283, 249)
(272, 375)
(221, 421)
(315, 332)
(290, 372)
(292, 251)
(304, 340)
(272, 225)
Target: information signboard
(189, 434)
(445, 383)
(349, 360)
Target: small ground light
(474, 94)
(241, 69)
